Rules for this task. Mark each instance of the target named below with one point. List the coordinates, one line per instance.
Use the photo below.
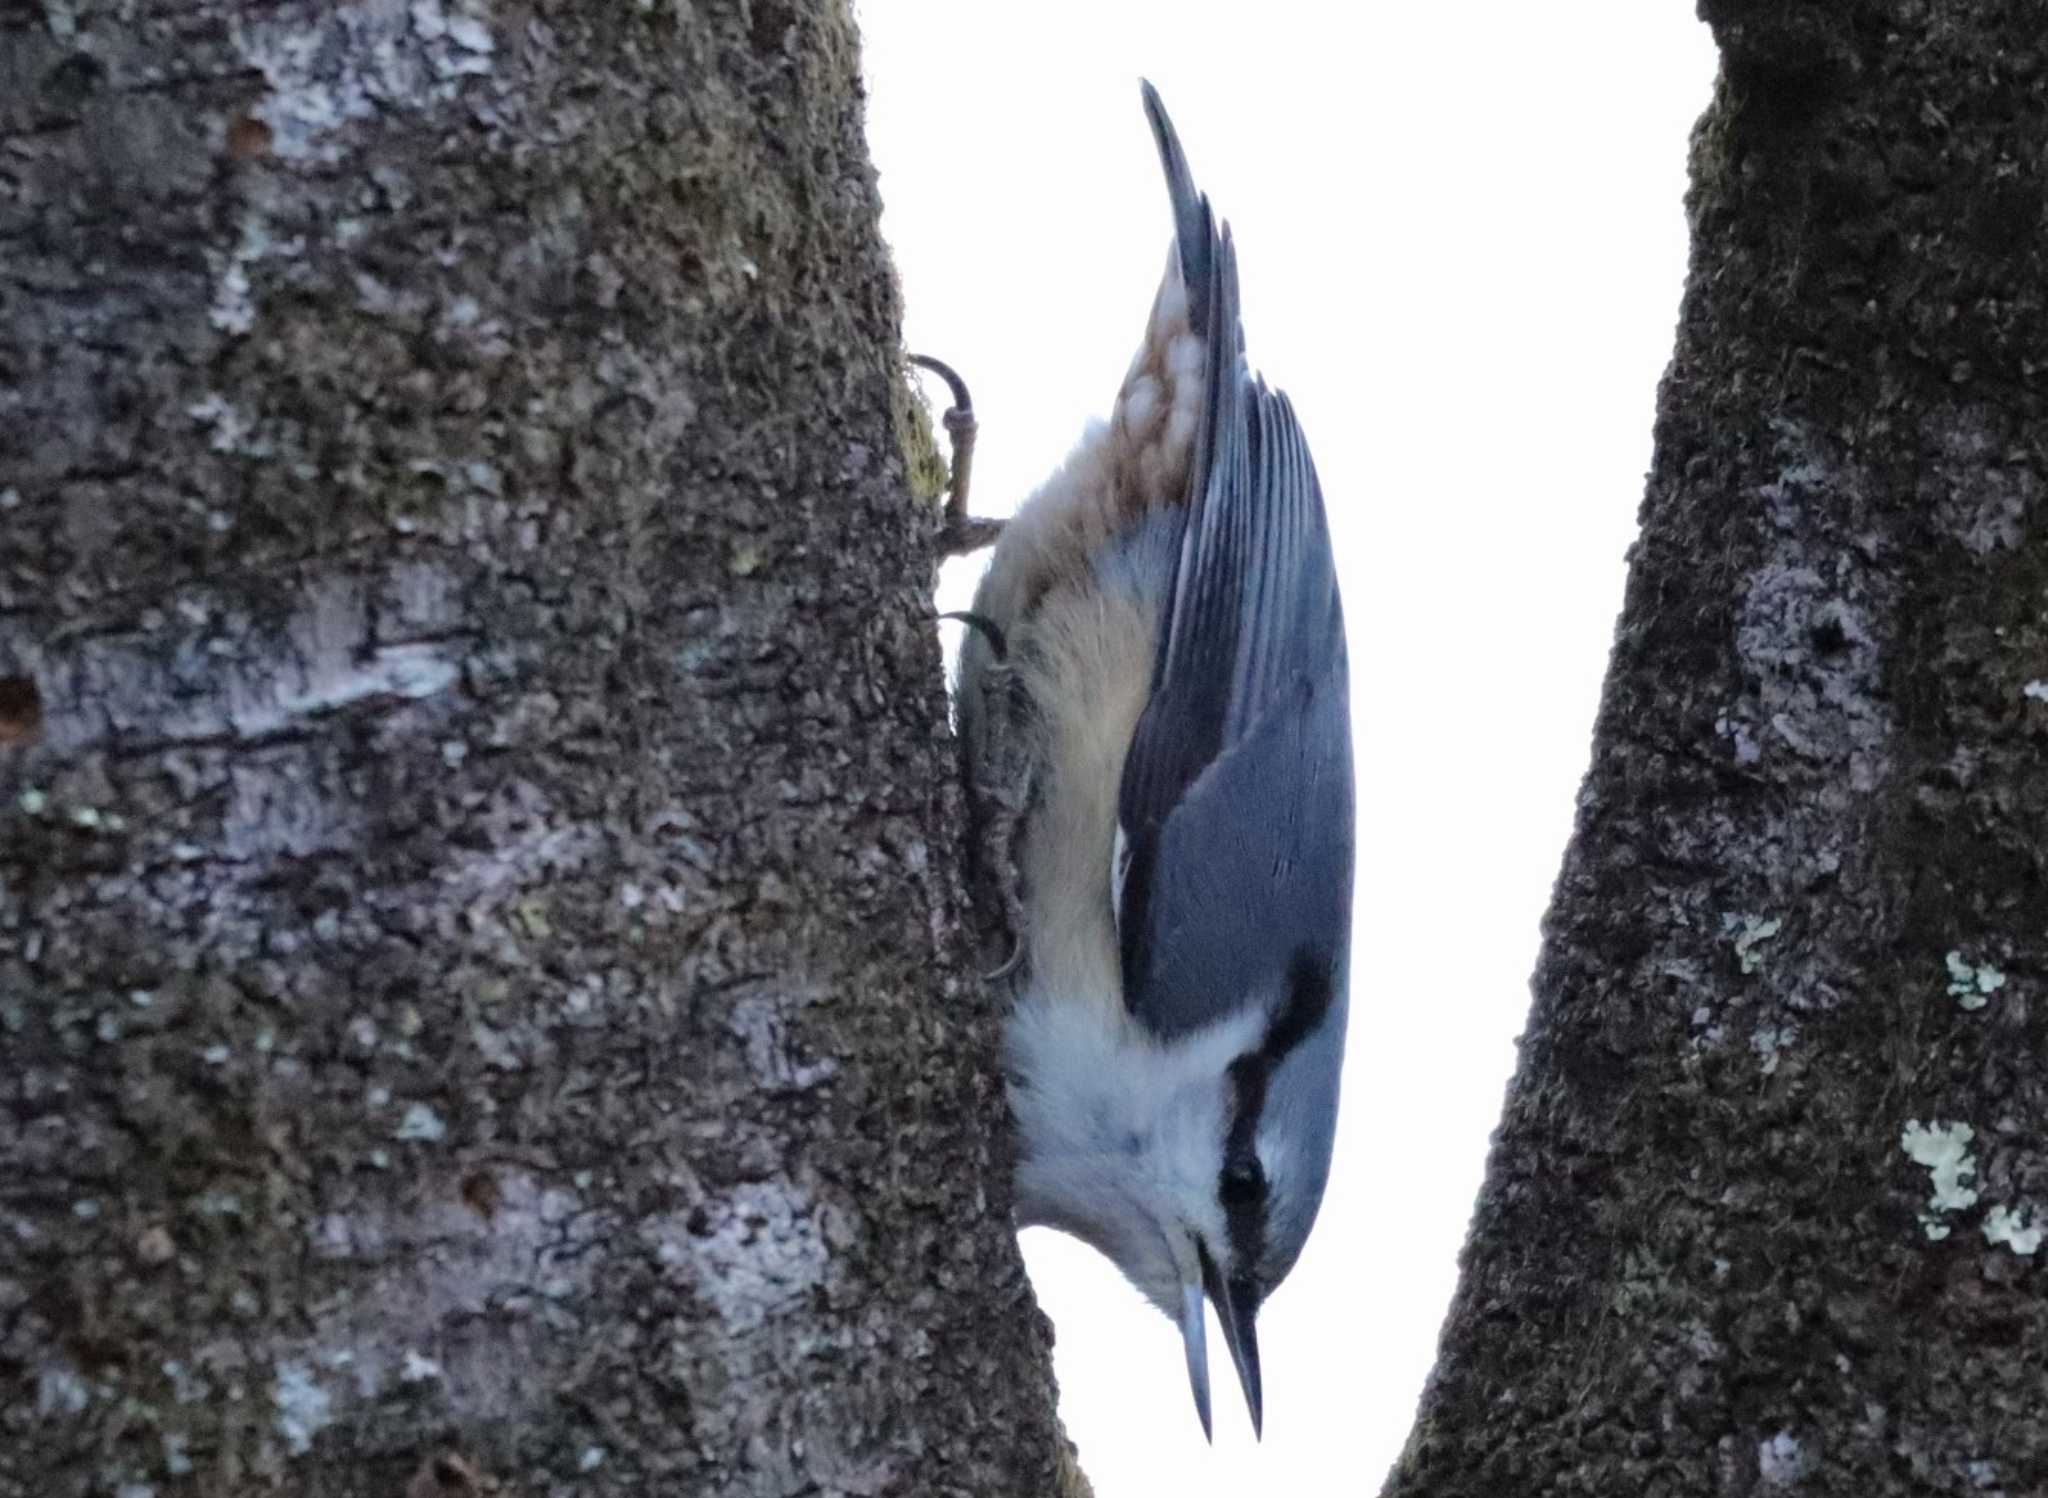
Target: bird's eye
(1243, 1181)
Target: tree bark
(481, 999)
(1761, 1211)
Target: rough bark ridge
(1762, 1212)
(476, 880)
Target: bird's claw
(1009, 964)
(961, 533)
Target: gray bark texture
(482, 999)
(1761, 1213)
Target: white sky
(1461, 237)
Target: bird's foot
(1000, 791)
(1001, 814)
(960, 533)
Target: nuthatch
(1156, 720)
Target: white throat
(1121, 1138)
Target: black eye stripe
(1309, 992)
(1241, 1185)
(1243, 1180)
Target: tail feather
(1194, 227)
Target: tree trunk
(1762, 1212)
(481, 999)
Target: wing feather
(1235, 804)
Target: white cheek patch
(1119, 868)
(1273, 1154)
(1275, 1159)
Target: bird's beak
(1195, 1336)
(1241, 1331)
(1238, 1312)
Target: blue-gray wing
(1236, 803)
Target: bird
(1153, 705)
